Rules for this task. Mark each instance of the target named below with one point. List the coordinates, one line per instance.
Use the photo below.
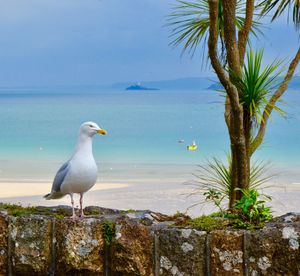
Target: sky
(77, 42)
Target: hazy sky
(44, 42)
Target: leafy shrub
(213, 180)
(250, 211)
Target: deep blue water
(143, 126)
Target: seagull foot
(82, 216)
(73, 217)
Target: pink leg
(81, 209)
(73, 211)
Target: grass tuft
(108, 231)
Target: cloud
(97, 41)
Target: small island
(139, 87)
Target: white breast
(82, 175)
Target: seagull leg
(72, 202)
(81, 209)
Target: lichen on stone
(229, 258)
(185, 233)
(251, 259)
(186, 247)
(264, 263)
(290, 234)
(165, 263)
(175, 271)
(79, 246)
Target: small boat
(192, 147)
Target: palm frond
(279, 7)
(189, 23)
(216, 175)
(256, 84)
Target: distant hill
(294, 84)
(188, 84)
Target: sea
(148, 131)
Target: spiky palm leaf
(280, 6)
(190, 24)
(216, 175)
(256, 84)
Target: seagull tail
(53, 195)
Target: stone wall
(143, 245)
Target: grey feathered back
(59, 177)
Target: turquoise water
(144, 127)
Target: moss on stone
(108, 231)
(129, 211)
(208, 223)
(17, 210)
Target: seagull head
(90, 129)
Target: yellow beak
(102, 131)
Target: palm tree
(249, 98)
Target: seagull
(79, 173)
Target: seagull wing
(60, 177)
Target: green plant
(213, 180)
(256, 84)
(216, 197)
(108, 231)
(250, 210)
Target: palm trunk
(247, 131)
(240, 157)
(240, 170)
(239, 167)
(234, 177)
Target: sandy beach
(161, 188)
(167, 198)
(25, 189)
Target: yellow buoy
(192, 147)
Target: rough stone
(3, 244)
(286, 218)
(131, 251)
(144, 243)
(31, 238)
(96, 210)
(180, 252)
(226, 252)
(274, 250)
(79, 247)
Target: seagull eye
(90, 125)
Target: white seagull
(79, 173)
